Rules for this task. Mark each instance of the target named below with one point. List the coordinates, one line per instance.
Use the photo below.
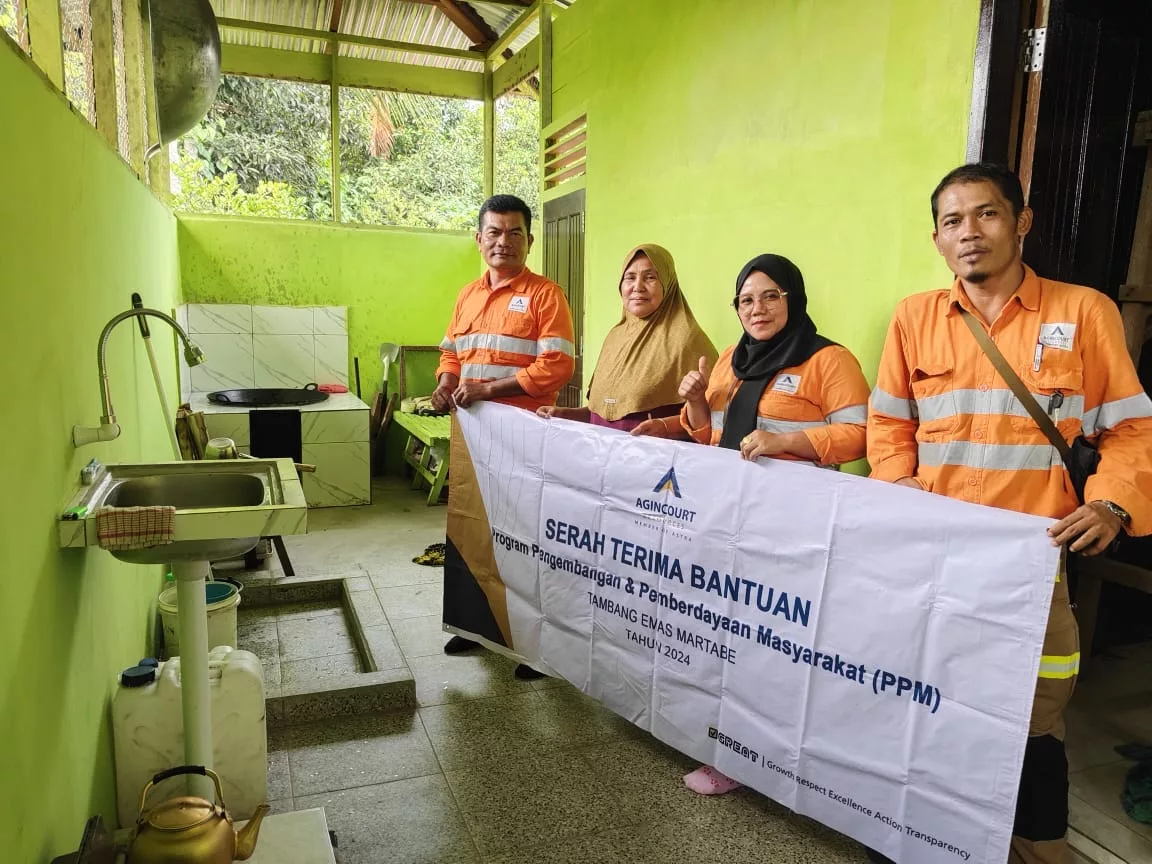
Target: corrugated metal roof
(398, 20)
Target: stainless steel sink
(223, 508)
(188, 491)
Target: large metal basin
(214, 501)
(188, 491)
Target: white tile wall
(219, 318)
(283, 320)
(234, 426)
(331, 359)
(331, 427)
(265, 346)
(227, 362)
(343, 474)
(284, 361)
(331, 320)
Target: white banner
(863, 653)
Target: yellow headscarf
(644, 360)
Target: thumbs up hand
(694, 387)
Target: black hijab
(756, 363)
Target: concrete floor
(494, 770)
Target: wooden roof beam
(351, 39)
(468, 22)
(523, 4)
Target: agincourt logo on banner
(667, 483)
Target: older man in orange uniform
(943, 419)
(510, 338)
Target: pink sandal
(706, 780)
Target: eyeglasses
(747, 301)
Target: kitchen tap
(109, 428)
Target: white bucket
(221, 619)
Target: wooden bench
(431, 466)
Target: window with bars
(14, 21)
(76, 32)
(119, 69)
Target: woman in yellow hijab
(636, 385)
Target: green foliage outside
(405, 160)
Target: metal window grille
(76, 29)
(121, 72)
(14, 19)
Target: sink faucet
(109, 428)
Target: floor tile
(726, 834)
(311, 609)
(1102, 787)
(446, 678)
(295, 671)
(248, 616)
(412, 821)
(358, 583)
(578, 720)
(260, 638)
(383, 645)
(489, 732)
(405, 573)
(279, 773)
(411, 601)
(531, 803)
(420, 637)
(364, 750)
(1114, 836)
(281, 805)
(304, 638)
(368, 610)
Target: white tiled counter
(334, 435)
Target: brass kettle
(190, 830)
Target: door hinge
(1033, 49)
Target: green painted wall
(399, 285)
(78, 234)
(726, 129)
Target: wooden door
(1082, 173)
(564, 264)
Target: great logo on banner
(863, 653)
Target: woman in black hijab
(783, 391)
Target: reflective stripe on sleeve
(1106, 416)
(768, 424)
(447, 344)
(555, 343)
(1059, 665)
(893, 406)
(857, 414)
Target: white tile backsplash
(219, 318)
(234, 426)
(283, 320)
(284, 361)
(331, 359)
(343, 474)
(330, 427)
(265, 346)
(227, 362)
(331, 320)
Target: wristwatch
(1117, 511)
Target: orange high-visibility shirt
(825, 397)
(522, 330)
(942, 415)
